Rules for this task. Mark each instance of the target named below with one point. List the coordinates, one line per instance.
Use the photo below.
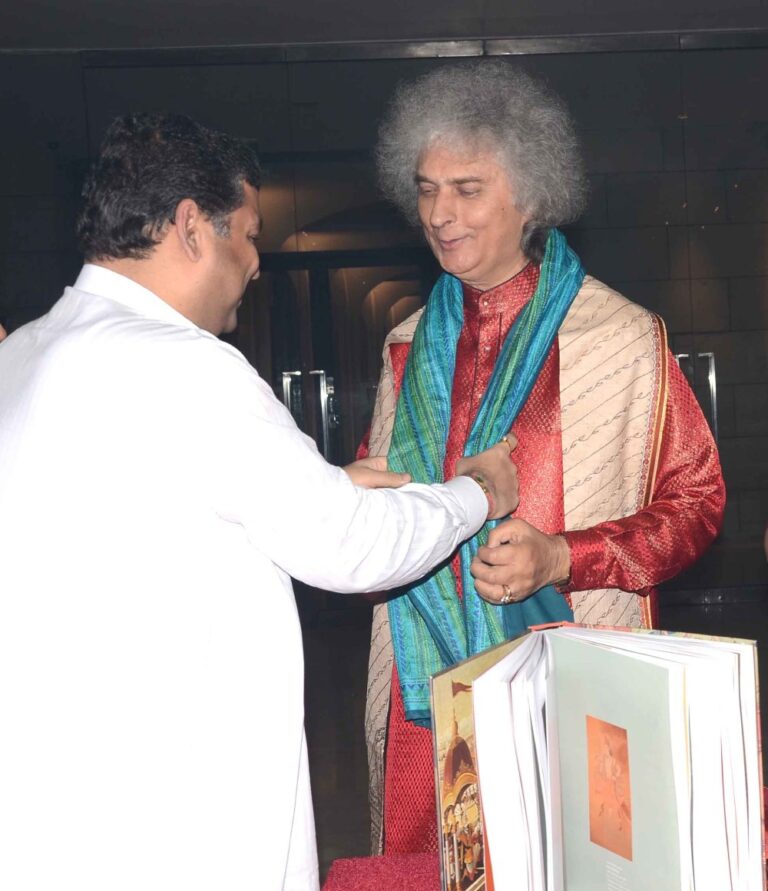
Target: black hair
(148, 163)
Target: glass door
(314, 328)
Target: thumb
(510, 439)
(385, 479)
(377, 462)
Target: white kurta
(155, 497)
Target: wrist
(562, 564)
(483, 483)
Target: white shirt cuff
(472, 498)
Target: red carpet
(405, 872)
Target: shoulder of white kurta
(223, 378)
(180, 363)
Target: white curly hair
(488, 103)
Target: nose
(443, 209)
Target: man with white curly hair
(619, 479)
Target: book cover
(463, 865)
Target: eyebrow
(458, 181)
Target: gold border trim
(656, 429)
(659, 409)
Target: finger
(480, 572)
(494, 593)
(492, 575)
(503, 533)
(491, 593)
(512, 531)
(386, 479)
(503, 448)
(372, 462)
(496, 556)
(519, 577)
(511, 441)
(477, 566)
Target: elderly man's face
(467, 209)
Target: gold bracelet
(480, 480)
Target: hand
(519, 560)
(372, 473)
(497, 471)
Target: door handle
(295, 400)
(693, 360)
(292, 393)
(712, 386)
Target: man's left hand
(519, 560)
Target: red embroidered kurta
(633, 553)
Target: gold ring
(507, 598)
(505, 440)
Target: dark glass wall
(676, 142)
(675, 134)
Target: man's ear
(187, 222)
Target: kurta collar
(509, 296)
(114, 286)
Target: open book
(585, 758)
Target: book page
(722, 705)
(619, 741)
(508, 767)
(742, 756)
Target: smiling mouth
(449, 244)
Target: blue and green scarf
(432, 628)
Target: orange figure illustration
(610, 800)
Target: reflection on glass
(367, 303)
(340, 269)
(701, 372)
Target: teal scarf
(431, 627)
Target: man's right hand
(372, 473)
(495, 470)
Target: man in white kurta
(155, 497)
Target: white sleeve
(311, 521)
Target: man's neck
(157, 276)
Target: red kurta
(633, 553)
